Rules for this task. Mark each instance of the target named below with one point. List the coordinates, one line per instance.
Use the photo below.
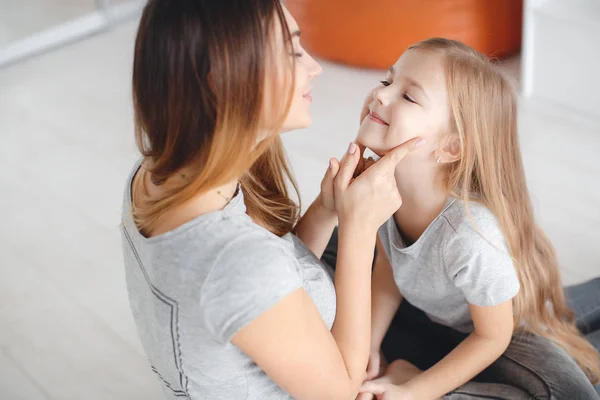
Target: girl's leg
(413, 337)
(531, 367)
(329, 256)
(540, 368)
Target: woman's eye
(385, 83)
(407, 98)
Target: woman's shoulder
(253, 241)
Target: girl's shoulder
(465, 218)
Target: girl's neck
(423, 199)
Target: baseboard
(69, 32)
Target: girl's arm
(386, 299)
(317, 224)
(492, 335)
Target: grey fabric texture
(193, 288)
(460, 259)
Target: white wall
(561, 54)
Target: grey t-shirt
(193, 288)
(457, 261)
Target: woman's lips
(308, 96)
(377, 118)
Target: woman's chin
(302, 123)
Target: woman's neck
(423, 199)
(214, 200)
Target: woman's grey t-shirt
(193, 288)
(460, 259)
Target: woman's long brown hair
(203, 73)
(484, 115)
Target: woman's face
(307, 68)
(411, 102)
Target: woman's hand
(317, 224)
(373, 197)
(377, 365)
(326, 197)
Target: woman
(228, 304)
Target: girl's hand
(393, 384)
(373, 197)
(385, 391)
(375, 369)
(363, 165)
(326, 197)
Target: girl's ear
(449, 150)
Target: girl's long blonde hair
(484, 115)
(203, 74)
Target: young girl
(464, 248)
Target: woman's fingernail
(352, 148)
(330, 164)
(419, 143)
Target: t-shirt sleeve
(248, 279)
(480, 264)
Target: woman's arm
(317, 224)
(492, 335)
(386, 298)
(292, 344)
(290, 341)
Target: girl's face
(412, 101)
(307, 69)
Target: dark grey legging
(531, 368)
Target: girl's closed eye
(408, 98)
(405, 95)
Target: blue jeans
(531, 368)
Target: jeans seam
(477, 396)
(548, 389)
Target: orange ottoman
(374, 33)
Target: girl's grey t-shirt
(193, 288)
(460, 259)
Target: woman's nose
(315, 68)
